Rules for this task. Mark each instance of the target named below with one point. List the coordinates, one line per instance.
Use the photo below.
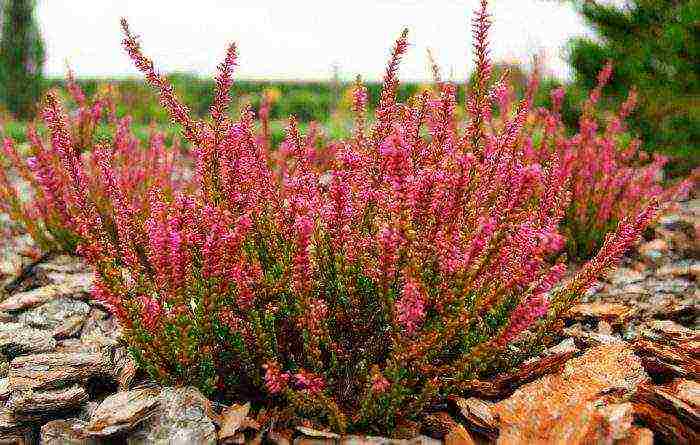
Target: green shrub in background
(21, 58)
(655, 46)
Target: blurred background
(303, 56)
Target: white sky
(299, 39)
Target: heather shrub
(610, 176)
(354, 283)
(36, 187)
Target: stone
(677, 269)
(11, 427)
(52, 314)
(98, 326)
(623, 276)
(571, 407)
(587, 339)
(17, 339)
(232, 420)
(181, 417)
(65, 432)
(70, 327)
(654, 250)
(668, 349)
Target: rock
(65, 432)
(4, 388)
(180, 418)
(654, 250)
(666, 331)
(615, 314)
(665, 411)
(65, 264)
(310, 432)
(122, 411)
(678, 269)
(125, 371)
(566, 346)
(687, 390)
(17, 339)
(459, 436)
(30, 402)
(617, 417)
(99, 325)
(52, 314)
(676, 286)
(623, 276)
(70, 327)
(571, 407)
(55, 370)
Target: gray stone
(54, 313)
(17, 339)
(65, 432)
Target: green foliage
(655, 45)
(21, 58)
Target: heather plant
(36, 190)
(610, 176)
(352, 283)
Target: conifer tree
(21, 58)
(655, 47)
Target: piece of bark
(31, 298)
(663, 411)
(613, 313)
(10, 425)
(505, 384)
(668, 359)
(637, 436)
(45, 402)
(123, 411)
(17, 339)
(55, 370)
(572, 406)
(586, 339)
(479, 415)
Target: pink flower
(152, 312)
(524, 315)
(379, 383)
(410, 307)
(309, 381)
(276, 381)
